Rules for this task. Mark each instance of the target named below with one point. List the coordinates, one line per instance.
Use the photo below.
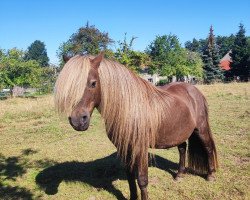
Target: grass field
(42, 157)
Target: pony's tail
(197, 155)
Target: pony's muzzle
(80, 123)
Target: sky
(54, 21)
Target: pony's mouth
(81, 126)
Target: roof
(225, 61)
(227, 57)
(225, 64)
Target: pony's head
(78, 94)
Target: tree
(212, 70)
(194, 64)
(240, 55)
(163, 51)
(196, 45)
(170, 59)
(37, 51)
(134, 60)
(14, 70)
(1, 53)
(87, 39)
(225, 44)
(193, 46)
(47, 79)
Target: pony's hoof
(210, 178)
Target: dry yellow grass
(42, 157)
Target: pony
(137, 116)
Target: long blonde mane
(132, 108)
(71, 83)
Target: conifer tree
(240, 55)
(212, 70)
(37, 51)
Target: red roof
(225, 62)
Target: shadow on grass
(16, 166)
(164, 164)
(10, 167)
(99, 174)
(9, 192)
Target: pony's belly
(164, 146)
(168, 139)
(169, 144)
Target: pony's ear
(97, 60)
(66, 58)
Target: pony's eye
(93, 84)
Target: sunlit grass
(42, 157)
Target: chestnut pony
(137, 115)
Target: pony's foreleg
(182, 169)
(132, 184)
(143, 180)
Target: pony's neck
(133, 109)
(123, 91)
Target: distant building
(156, 78)
(153, 78)
(226, 61)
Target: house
(226, 61)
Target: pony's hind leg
(211, 164)
(182, 169)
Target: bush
(162, 82)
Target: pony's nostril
(84, 117)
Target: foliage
(164, 52)
(87, 39)
(212, 70)
(162, 82)
(132, 59)
(195, 45)
(14, 70)
(225, 44)
(47, 79)
(240, 46)
(1, 53)
(170, 59)
(240, 55)
(37, 51)
(194, 64)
